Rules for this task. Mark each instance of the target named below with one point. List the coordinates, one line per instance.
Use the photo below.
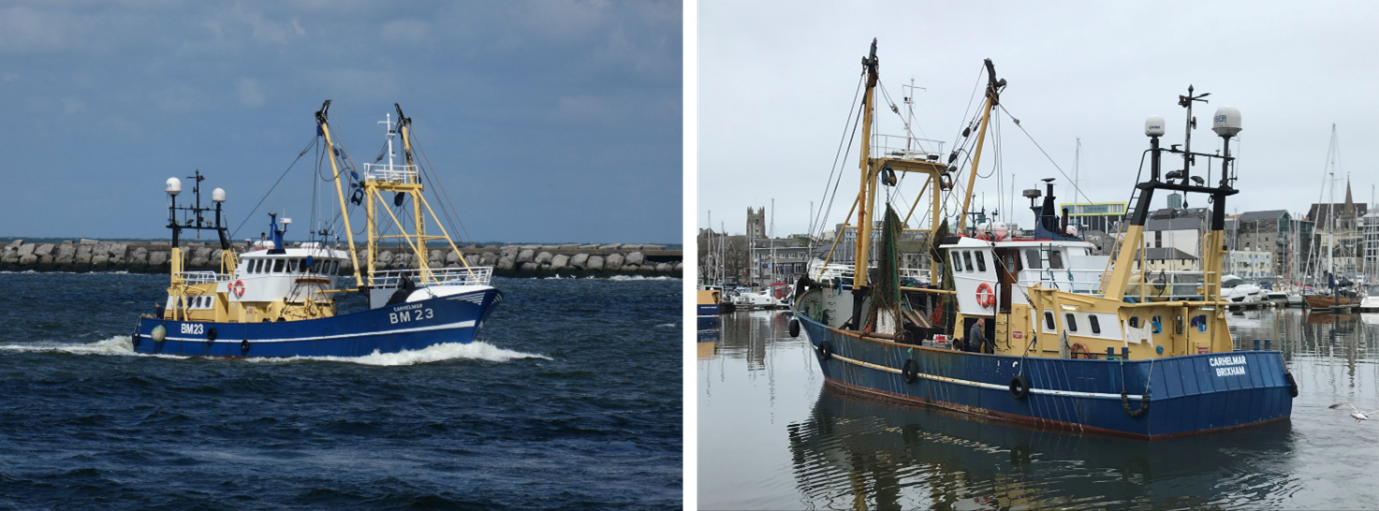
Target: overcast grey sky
(776, 81)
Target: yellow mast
(866, 190)
(339, 192)
(991, 101)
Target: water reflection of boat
(887, 457)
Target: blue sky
(548, 121)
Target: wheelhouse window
(1134, 321)
(981, 262)
(1032, 259)
(1048, 320)
(1056, 259)
(967, 260)
(957, 265)
(278, 265)
(1072, 321)
(1096, 325)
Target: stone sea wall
(507, 260)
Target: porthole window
(981, 262)
(1158, 323)
(967, 260)
(1048, 321)
(1072, 321)
(1096, 325)
(1056, 259)
(1032, 259)
(1134, 321)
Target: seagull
(1354, 412)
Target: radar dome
(1154, 126)
(218, 195)
(174, 186)
(1226, 122)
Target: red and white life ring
(237, 288)
(985, 296)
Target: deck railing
(472, 276)
(906, 148)
(391, 173)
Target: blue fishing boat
(278, 301)
(1030, 333)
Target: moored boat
(280, 301)
(1097, 358)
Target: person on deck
(976, 338)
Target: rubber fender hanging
(910, 371)
(211, 334)
(398, 198)
(794, 328)
(1125, 404)
(1019, 387)
(159, 333)
(244, 346)
(1292, 384)
(358, 197)
(134, 339)
(825, 350)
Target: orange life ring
(1079, 346)
(237, 288)
(985, 296)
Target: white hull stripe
(448, 326)
(1066, 393)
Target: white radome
(218, 195)
(1226, 122)
(287, 221)
(1154, 126)
(174, 186)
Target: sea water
(570, 398)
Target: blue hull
(1187, 394)
(388, 329)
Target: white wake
(120, 345)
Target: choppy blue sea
(571, 398)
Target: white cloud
(249, 93)
(298, 27)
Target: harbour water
(773, 436)
(563, 403)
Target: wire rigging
(275, 185)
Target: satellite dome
(1154, 126)
(174, 186)
(218, 195)
(1226, 122)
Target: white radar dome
(174, 186)
(1226, 122)
(287, 221)
(1154, 126)
(218, 195)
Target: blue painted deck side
(1186, 393)
(452, 319)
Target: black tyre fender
(244, 346)
(794, 328)
(825, 350)
(1019, 387)
(134, 339)
(211, 335)
(910, 371)
(1292, 384)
